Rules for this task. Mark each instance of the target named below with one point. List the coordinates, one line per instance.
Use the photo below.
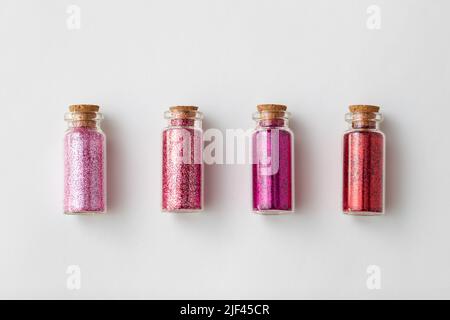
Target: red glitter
(363, 171)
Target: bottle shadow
(211, 180)
(302, 166)
(114, 166)
(393, 165)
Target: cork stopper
(364, 108)
(184, 112)
(272, 111)
(83, 115)
(183, 108)
(271, 107)
(84, 108)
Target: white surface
(136, 58)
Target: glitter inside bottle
(84, 161)
(272, 154)
(182, 162)
(363, 170)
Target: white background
(137, 58)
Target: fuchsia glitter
(84, 164)
(182, 167)
(272, 162)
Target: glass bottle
(364, 162)
(273, 160)
(182, 160)
(84, 161)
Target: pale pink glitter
(182, 168)
(84, 178)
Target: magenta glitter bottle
(84, 161)
(272, 154)
(182, 162)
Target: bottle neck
(176, 122)
(88, 124)
(364, 120)
(184, 116)
(89, 120)
(272, 123)
(271, 119)
(372, 125)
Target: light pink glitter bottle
(84, 161)
(182, 163)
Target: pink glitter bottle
(363, 169)
(84, 161)
(272, 153)
(182, 162)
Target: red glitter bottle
(182, 162)
(364, 158)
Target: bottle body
(84, 164)
(363, 167)
(272, 167)
(182, 161)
